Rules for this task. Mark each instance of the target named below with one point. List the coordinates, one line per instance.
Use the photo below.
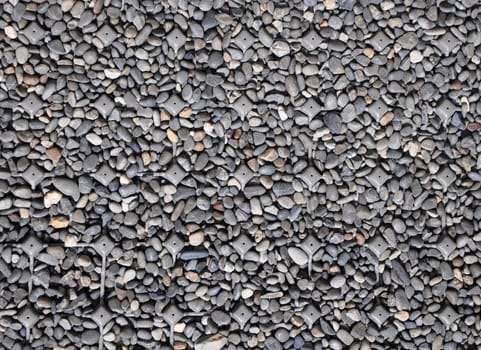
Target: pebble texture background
(231, 174)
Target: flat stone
(298, 256)
(67, 187)
(90, 337)
(22, 54)
(333, 122)
(408, 40)
(345, 337)
(346, 4)
(220, 318)
(348, 114)
(338, 281)
(399, 225)
(215, 342)
(193, 254)
(5, 203)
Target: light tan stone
(59, 222)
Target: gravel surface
(230, 174)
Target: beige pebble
(172, 136)
(31, 79)
(368, 52)
(54, 154)
(180, 345)
(85, 281)
(386, 118)
(24, 213)
(269, 155)
(330, 4)
(44, 302)
(297, 321)
(70, 241)
(84, 260)
(146, 159)
(317, 332)
(186, 112)
(51, 198)
(164, 115)
(59, 222)
(10, 32)
(192, 276)
(199, 147)
(179, 327)
(196, 238)
(402, 315)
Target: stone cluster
(239, 174)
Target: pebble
(67, 187)
(90, 337)
(280, 48)
(59, 222)
(416, 56)
(338, 281)
(345, 337)
(221, 318)
(10, 32)
(22, 54)
(298, 256)
(333, 122)
(5, 203)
